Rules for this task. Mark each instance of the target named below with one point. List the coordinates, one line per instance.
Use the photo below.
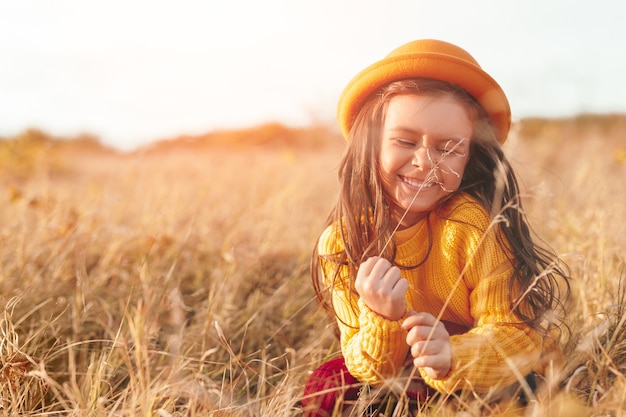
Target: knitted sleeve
(373, 347)
(498, 350)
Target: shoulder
(467, 225)
(463, 209)
(330, 241)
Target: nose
(422, 158)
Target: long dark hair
(542, 278)
(539, 283)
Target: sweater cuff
(380, 335)
(445, 385)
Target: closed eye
(404, 142)
(451, 147)
(447, 151)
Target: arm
(372, 342)
(499, 349)
(496, 352)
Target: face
(423, 153)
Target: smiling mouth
(418, 184)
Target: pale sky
(135, 71)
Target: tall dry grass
(176, 283)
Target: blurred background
(132, 72)
(167, 168)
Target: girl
(427, 262)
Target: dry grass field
(174, 281)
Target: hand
(381, 287)
(430, 344)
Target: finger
(365, 278)
(367, 266)
(390, 280)
(392, 276)
(418, 333)
(380, 267)
(401, 287)
(419, 319)
(394, 285)
(430, 361)
(426, 348)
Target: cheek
(386, 162)
(453, 173)
(385, 172)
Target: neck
(404, 219)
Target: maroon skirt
(332, 382)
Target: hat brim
(439, 66)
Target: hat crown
(433, 46)
(427, 58)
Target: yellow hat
(427, 58)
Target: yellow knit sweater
(465, 280)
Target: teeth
(418, 184)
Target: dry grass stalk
(176, 284)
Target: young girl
(428, 262)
